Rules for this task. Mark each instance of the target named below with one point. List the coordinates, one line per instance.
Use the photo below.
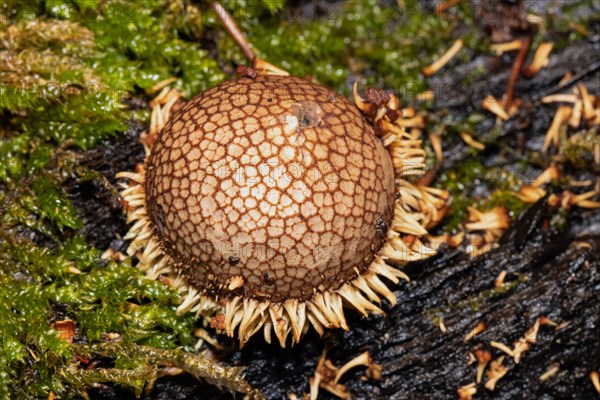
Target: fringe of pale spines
(418, 208)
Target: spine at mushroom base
(417, 208)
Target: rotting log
(549, 273)
(547, 276)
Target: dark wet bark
(556, 280)
(549, 276)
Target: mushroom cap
(271, 187)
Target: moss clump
(578, 149)
(360, 41)
(135, 366)
(34, 279)
(108, 301)
(496, 187)
(67, 70)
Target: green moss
(461, 181)
(66, 78)
(361, 41)
(135, 367)
(578, 149)
(101, 297)
(569, 20)
(66, 69)
(34, 197)
(474, 301)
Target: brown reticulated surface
(275, 179)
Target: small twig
(150, 359)
(234, 30)
(516, 70)
(569, 82)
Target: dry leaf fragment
(65, 329)
(495, 373)
(540, 59)
(483, 358)
(552, 370)
(562, 115)
(475, 331)
(443, 60)
(501, 48)
(467, 392)
(595, 378)
(470, 141)
(491, 104)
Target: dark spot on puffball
(268, 280)
(381, 227)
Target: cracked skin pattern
(275, 179)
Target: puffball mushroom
(272, 189)
(271, 203)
